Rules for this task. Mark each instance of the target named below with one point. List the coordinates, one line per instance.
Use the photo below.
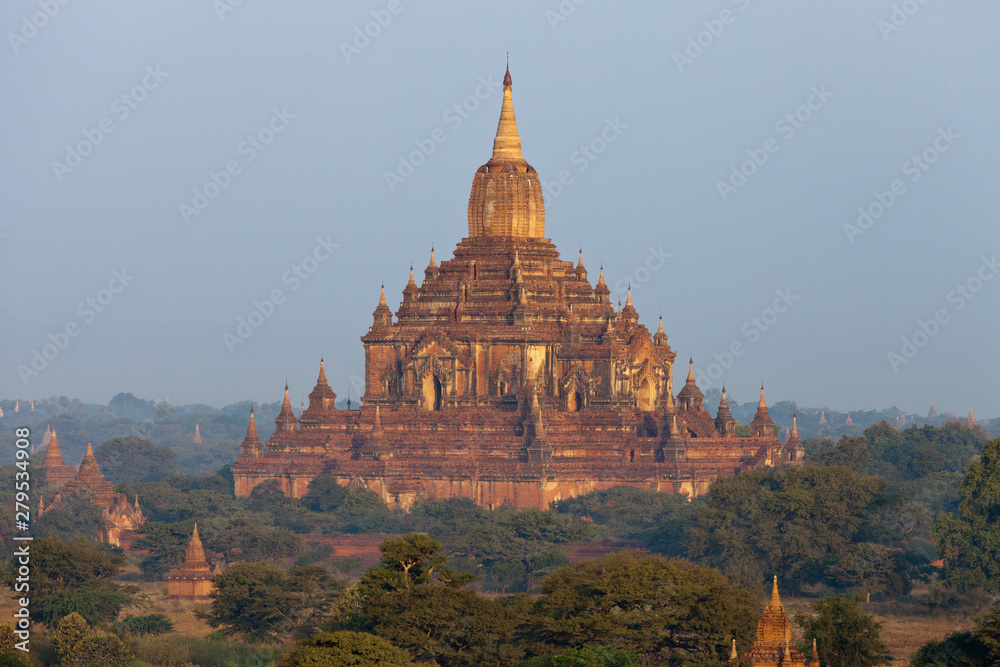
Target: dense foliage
(968, 540)
(845, 636)
(75, 576)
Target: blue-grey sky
(165, 165)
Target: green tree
(416, 601)
(968, 541)
(324, 494)
(793, 520)
(346, 648)
(75, 576)
(646, 604)
(130, 460)
(845, 636)
(623, 512)
(101, 649)
(960, 649)
(70, 631)
(587, 656)
(76, 518)
(260, 601)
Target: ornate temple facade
(193, 580)
(118, 515)
(773, 647)
(505, 376)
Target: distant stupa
(17, 405)
(822, 417)
(971, 421)
(933, 413)
(32, 405)
(47, 437)
(785, 439)
(849, 422)
(197, 435)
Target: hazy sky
(165, 165)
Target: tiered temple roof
(194, 578)
(57, 473)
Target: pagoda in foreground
(505, 376)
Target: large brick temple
(506, 377)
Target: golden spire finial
(579, 262)
(795, 426)
(322, 372)
(381, 299)
(762, 404)
(628, 297)
(432, 258)
(600, 278)
(690, 377)
(775, 598)
(732, 654)
(815, 653)
(507, 143)
(411, 277)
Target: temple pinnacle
(775, 598)
(381, 299)
(795, 426)
(690, 377)
(507, 143)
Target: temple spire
(690, 377)
(732, 654)
(381, 299)
(411, 282)
(252, 426)
(762, 404)
(53, 455)
(507, 143)
(628, 297)
(795, 426)
(775, 598)
(322, 373)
